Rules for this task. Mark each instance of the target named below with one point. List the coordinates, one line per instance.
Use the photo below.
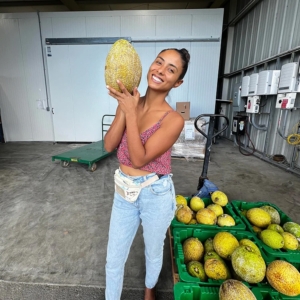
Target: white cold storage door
(78, 95)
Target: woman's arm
(115, 132)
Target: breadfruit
(258, 217)
(275, 227)
(275, 216)
(225, 243)
(290, 241)
(248, 242)
(248, 265)
(192, 249)
(219, 197)
(196, 269)
(272, 238)
(232, 289)
(206, 216)
(208, 245)
(183, 214)
(284, 277)
(212, 254)
(292, 228)
(225, 220)
(196, 203)
(217, 208)
(216, 269)
(123, 63)
(180, 200)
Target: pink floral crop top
(160, 165)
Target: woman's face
(164, 72)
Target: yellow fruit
(212, 254)
(256, 229)
(283, 277)
(225, 220)
(208, 245)
(123, 63)
(290, 241)
(206, 216)
(192, 222)
(232, 289)
(272, 238)
(181, 200)
(247, 242)
(196, 269)
(248, 265)
(258, 217)
(275, 216)
(225, 243)
(216, 269)
(184, 214)
(196, 203)
(219, 197)
(293, 228)
(217, 208)
(275, 227)
(192, 249)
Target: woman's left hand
(127, 102)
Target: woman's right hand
(127, 102)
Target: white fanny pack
(128, 189)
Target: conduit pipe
(258, 127)
(284, 124)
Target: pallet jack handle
(209, 138)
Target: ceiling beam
(71, 5)
(218, 3)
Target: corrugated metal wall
(263, 39)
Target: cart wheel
(93, 167)
(65, 163)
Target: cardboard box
(184, 109)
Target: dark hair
(185, 58)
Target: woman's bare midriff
(133, 172)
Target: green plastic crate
(228, 209)
(289, 255)
(179, 235)
(191, 291)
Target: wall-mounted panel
(15, 112)
(68, 27)
(170, 26)
(102, 26)
(262, 30)
(138, 26)
(289, 25)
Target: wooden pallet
(174, 266)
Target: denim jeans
(154, 208)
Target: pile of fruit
(224, 257)
(234, 260)
(195, 211)
(266, 220)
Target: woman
(144, 130)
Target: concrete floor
(54, 220)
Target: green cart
(87, 154)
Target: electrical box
(253, 84)
(238, 104)
(252, 105)
(245, 86)
(239, 125)
(268, 82)
(288, 78)
(286, 101)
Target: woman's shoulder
(172, 116)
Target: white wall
(21, 65)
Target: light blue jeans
(155, 208)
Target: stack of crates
(187, 287)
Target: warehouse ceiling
(105, 5)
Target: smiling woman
(143, 131)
